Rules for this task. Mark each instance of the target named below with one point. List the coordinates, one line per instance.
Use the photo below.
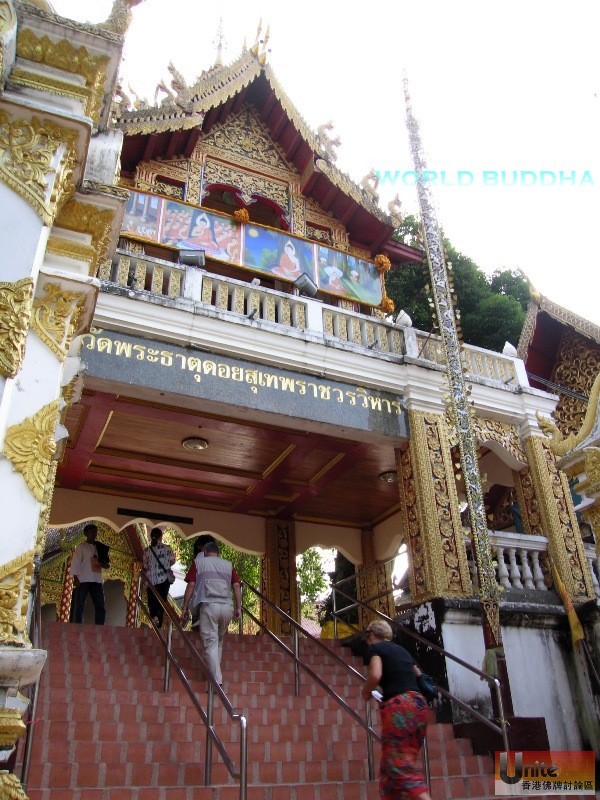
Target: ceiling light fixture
(388, 477)
(194, 443)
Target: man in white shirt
(89, 559)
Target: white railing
(520, 562)
(135, 270)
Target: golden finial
(255, 46)
(219, 42)
(263, 42)
(533, 292)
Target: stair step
(130, 740)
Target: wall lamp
(305, 285)
(192, 258)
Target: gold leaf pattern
(30, 447)
(15, 310)
(27, 154)
(56, 317)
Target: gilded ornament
(241, 215)
(15, 310)
(248, 184)
(28, 152)
(11, 787)
(87, 218)
(387, 305)
(382, 263)
(11, 728)
(561, 444)
(30, 447)
(57, 318)
(65, 56)
(15, 578)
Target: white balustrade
(134, 269)
(517, 560)
(593, 560)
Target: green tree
(492, 308)
(311, 580)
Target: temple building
(195, 333)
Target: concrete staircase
(105, 730)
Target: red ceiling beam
(96, 419)
(150, 147)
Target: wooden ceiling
(131, 447)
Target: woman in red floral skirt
(403, 714)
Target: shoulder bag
(427, 687)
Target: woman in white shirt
(158, 560)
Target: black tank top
(398, 675)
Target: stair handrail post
(425, 757)
(210, 704)
(243, 758)
(370, 757)
(296, 660)
(169, 650)
(334, 612)
(138, 595)
(502, 720)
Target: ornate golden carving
(15, 577)
(28, 151)
(246, 182)
(279, 573)
(67, 248)
(15, 310)
(121, 16)
(506, 435)
(11, 727)
(437, 522)
(559, 521)
(561, 444)
(10, 787)
(45, 83)
(577, 367)
(68, 58)
(44, 517)
(30, 447)
(56, 318)
(86, 218)
(528, 503)
(8, 23)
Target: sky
(507, 96)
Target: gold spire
(219, 42)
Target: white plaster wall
(347, 540)
(463, 637)
(541, 683)
(539, 674)
(22, 255)
(388, 537)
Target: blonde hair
(381, 629)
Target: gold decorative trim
(56, 318)
(15, 578)
(11, 727)
(503, 433)
(540, 303)
(67, 248)
(44, 517)
(118, 192)
(16, 300)
(10, 787)
(46, 83)
(30, 447)
(64, 56)
(28, 151)
(558, 516)
(90, 219)
(559, 444)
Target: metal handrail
(213, 688)
(502, 728)
(297, 628)
(35, 627)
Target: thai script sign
(184, 370)
(251, 246)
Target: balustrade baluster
(503, 578)
(526, 569)
(538, 575)
(515, 575)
